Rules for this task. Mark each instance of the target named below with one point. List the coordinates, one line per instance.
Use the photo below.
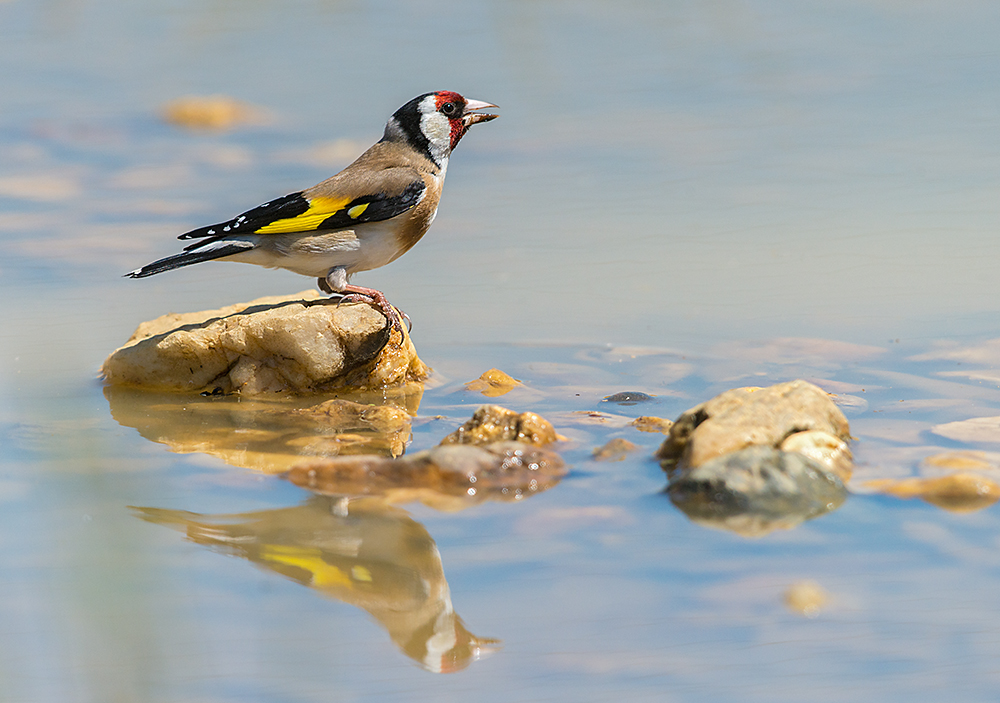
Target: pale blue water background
(673, 175)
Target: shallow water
(667, 183)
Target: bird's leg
(336, 282)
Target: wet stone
(493, 423)
(615, 450)
(629, 398)
(745, 417)
(294, 344)
(829, 451)
(493, 383)
(806, 598)
(961, 492)
(648, 423)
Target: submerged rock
(648, 423)
(961, 492)
(614, 450)
(806, 598)
(294, 344)
(493, 383)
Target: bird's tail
(215, 250)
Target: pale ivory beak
(470, 119)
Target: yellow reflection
(360, 551)
(270, 435)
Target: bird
(366, 216)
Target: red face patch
(454, 115)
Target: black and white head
(434, 123)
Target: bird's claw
(390, 312)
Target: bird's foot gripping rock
(393, 316)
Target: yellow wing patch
(356, 211)
(323, 574)
(319, 209)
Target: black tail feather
(187, 258)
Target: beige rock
(615, 450)
(961, 492)
(976, 429)
(648, 423)
(292, 344)
(213, 112)
(831, 452)
(743, 417)
(806, 598)
(493, 383)
(492, 423)
(964, 460)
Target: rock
(493, 383)
(647, 423)
(976, 429)
(294, 344)
(492, 423)
(628, 398)
(806, 598)
(744, 417)
(829, 451)
(756, 490)
(961, 492)
(615, 450)
(211, 112)
(496, 455)
(964, 460)
(753, 460)
(447, 477)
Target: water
(668, 183)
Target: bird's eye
(449, 109)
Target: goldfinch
(366, 216)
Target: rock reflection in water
(757, 490)
(449, 477)
(269, 435)
(360, 551)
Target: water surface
(678, 199)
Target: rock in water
(744, 417)
(752, 460)
(299, 344)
